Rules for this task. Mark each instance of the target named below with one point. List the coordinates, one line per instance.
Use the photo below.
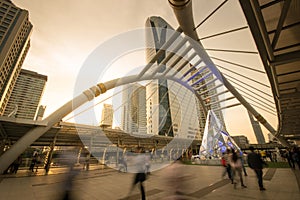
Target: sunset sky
(66, 32)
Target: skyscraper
(107, 115)
(171, 108)
(26, 95)
(160, 99)
(134, 109)
(15, 30)
(257, 130)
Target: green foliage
(278, 165)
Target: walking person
(243, 163)
(147, 164)
(236, 167)
(33, 162)
(140, 176)
(227, 157)
(177, 180)
(123, 164)
(86, 165)
(296, 156)
(16, 164)
(256, 163)
(289, 157)
(69, 159)
(224, 164)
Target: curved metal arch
(32, 135)
(184, 14)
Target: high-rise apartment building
(26, 95)
(107, 115)
(134, 109)
(15, 30)
(172, 109)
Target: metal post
(49, 158)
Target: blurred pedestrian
(177, 180)
(86, 165)
(227, 157)
(123, 163)
(274, 156)
(224, 164)
(140, 172)
(296, 156)
(69, 159)
(256, 163)
(33, 162)
(148, 163)
(242, 155)
(289, 157)
(236, 167)
(263, 155)
(16, 164)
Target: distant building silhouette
(40, 112)
(15, 30)
(134, 109)
(107, 115)
(26, 94)
(241, 140)
(257, 130)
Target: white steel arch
(183, 12)
(20, 146)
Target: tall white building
(172, 110)
(15, 30)
(134, 109)
(26, 95)
(107, 115)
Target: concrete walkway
(195, 181)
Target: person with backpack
(256, 163)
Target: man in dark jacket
(256, 163)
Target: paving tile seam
(77, 179)
(206, 190)
(32, 175)
(269, 174)
(137, 196)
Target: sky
(66, 32)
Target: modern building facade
(133, 118)
(26, 95)
(156, 39)
(172, 110)
(15, 30)
(107, 115)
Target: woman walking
(236, 167)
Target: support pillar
(49, 157)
